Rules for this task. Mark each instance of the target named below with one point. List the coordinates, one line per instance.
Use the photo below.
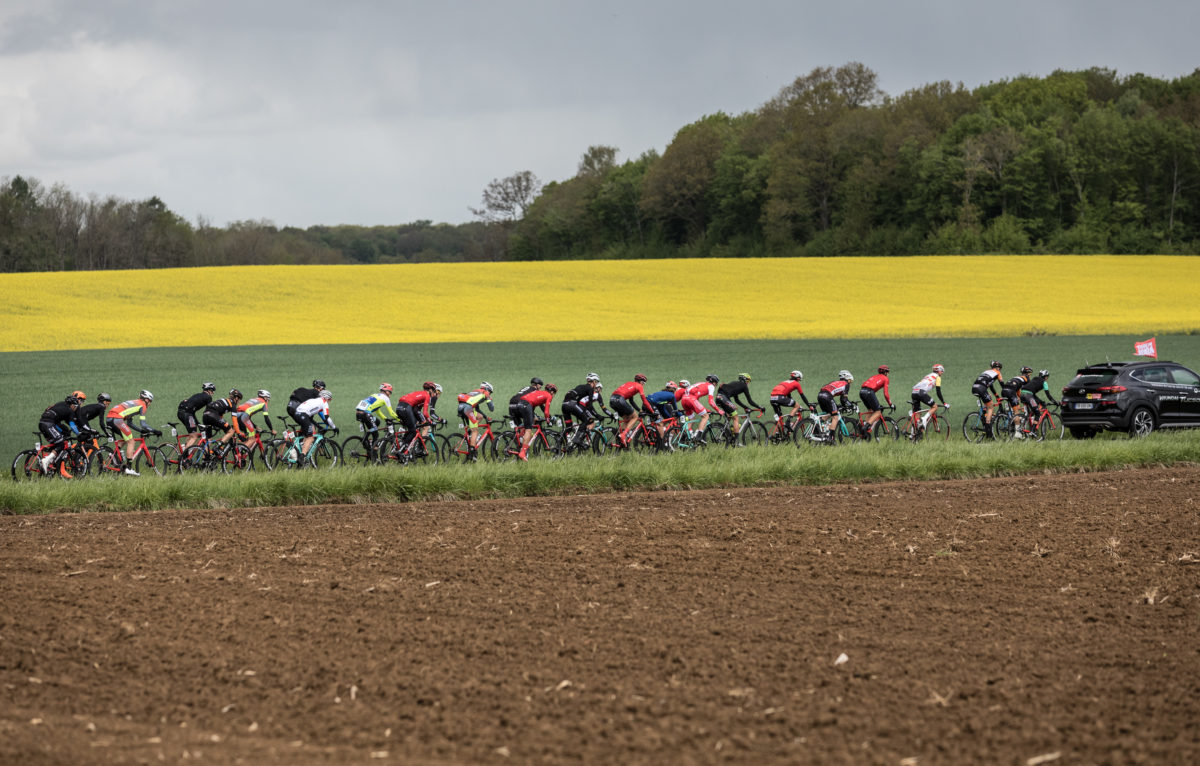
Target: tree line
(1074, 162)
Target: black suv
(1137, 397)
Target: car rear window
(1089, 378)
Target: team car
(1138, 397)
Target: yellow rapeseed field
(601, 300)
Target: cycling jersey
(88, 413)
(838, 387)
(787, 387)
(928, 383)
(316, 407)
(376, 402)
(59, 413)
(419, 399)
(703, 390)
(247, 409)
(539, 399)
(988, 377)
(664, 402)
(735, 390)
(517, 396)
(983, 387)
(475, 398)
(1035, 386)
(219, 407)
(1013, 383)
(195, 403)
(629, 390)
(876, 382)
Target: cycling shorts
(620, 405)
(571, 410)
(724, 404)
(188, 420)
(53, 433)
(1012, 397)
(243, 421)
(825, 400)
(468, 414)
(369, 422)
(522, 413)
(666, 409)
(780, 403)
(982, 392)
(212, 420)
(921, 398)
(1032, 401)
(692, 406)
(869, 400)
(304, 425)
(119, 426)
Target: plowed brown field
(1023, 620)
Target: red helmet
(385, 388)
(639, 378)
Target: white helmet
(796, 375)
(486, 386)
(146, 396)
(592, 378)
(685, 383)
(264, 394)
(845, 375)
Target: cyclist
(840, 387)
(414, 409)
(1029, 395)
(579, 402)
(245, 414)
(691, 403)
(620, 402)
(368, 411)
(663, 403)
(119, 418)
(920, 392)
(781, 396)
(55, 423)
(523, 412)
(729, 394)
(89, 412)
(301, 395)
(1010, 391)
(984, 389)
(316, 407)
(868, 395)
(468, 410)
(214, 415)
(188, 409)
(535, 384)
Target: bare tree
(506, 200)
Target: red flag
(1146, 348)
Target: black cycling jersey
(195, 402)
(1036, 385)
(90, 412)
(219, 407)
(59, 414)
(517, 396)
(581, 391)
(304, 394)
(1012, 384)
(735, 389)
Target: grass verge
(752, 467)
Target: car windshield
(1091, 378)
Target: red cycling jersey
(418, 398)
(836, 388)
(680, 393)
(539, 399)
(876, 382)
(628, 390)
(786, 388)
(703, 389)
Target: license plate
(1084, 406)
(1093, 396)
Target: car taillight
(1111, 389)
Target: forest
(1074, 162)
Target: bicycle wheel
(716, 433)
(356, 451)
(324, 454)
(1050, 428)
(27, 466)
(150, 460)
(752, 434)
(74, 464)
(973, 428)
(172, 455)
(1004, 427)
(510, 446)
(939, 429)
(457, 449)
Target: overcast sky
(372, 113)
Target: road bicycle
(720, 430)
(926, 424)
(214, 455)
(111, 461)
(69, 463)
(289, 452)
(458, 448)
(974, 425)
(424, 448)
(545, 439)
(815, 428)
(1041, 427)
(577, 440)
(368, 448)
(886, 427)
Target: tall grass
(766, 466)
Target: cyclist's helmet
(796, 375)
(326, 395)
(264, 394)
(318, 383)
(592, 378)
(884, 369)
(146, 396)
(551, 388)
(486, 386)
(939, 369)
(744, 377)
(1026, 370)
(671, 386)
(712, 379)
(209, 387)
(685, 383)
(996, 365)
(385, 388)
(845, 375)
(235, 394)
(429, 385)
(79, 395)
(72, 400)
(536, 381)
(599, 386)
(1043, 374)
(639, 378)
(103, 398)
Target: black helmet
(535, 381)
(318, 383)
(996, 365)
(209, 387)
(712, 379)
(1026, 370)
(102, 397)
(235, 394)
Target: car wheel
(1141, 422)
(1083, 433)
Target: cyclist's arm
(753, 404)
(938, 390)
(886, 394)
(1050, 396)
(267, 420)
